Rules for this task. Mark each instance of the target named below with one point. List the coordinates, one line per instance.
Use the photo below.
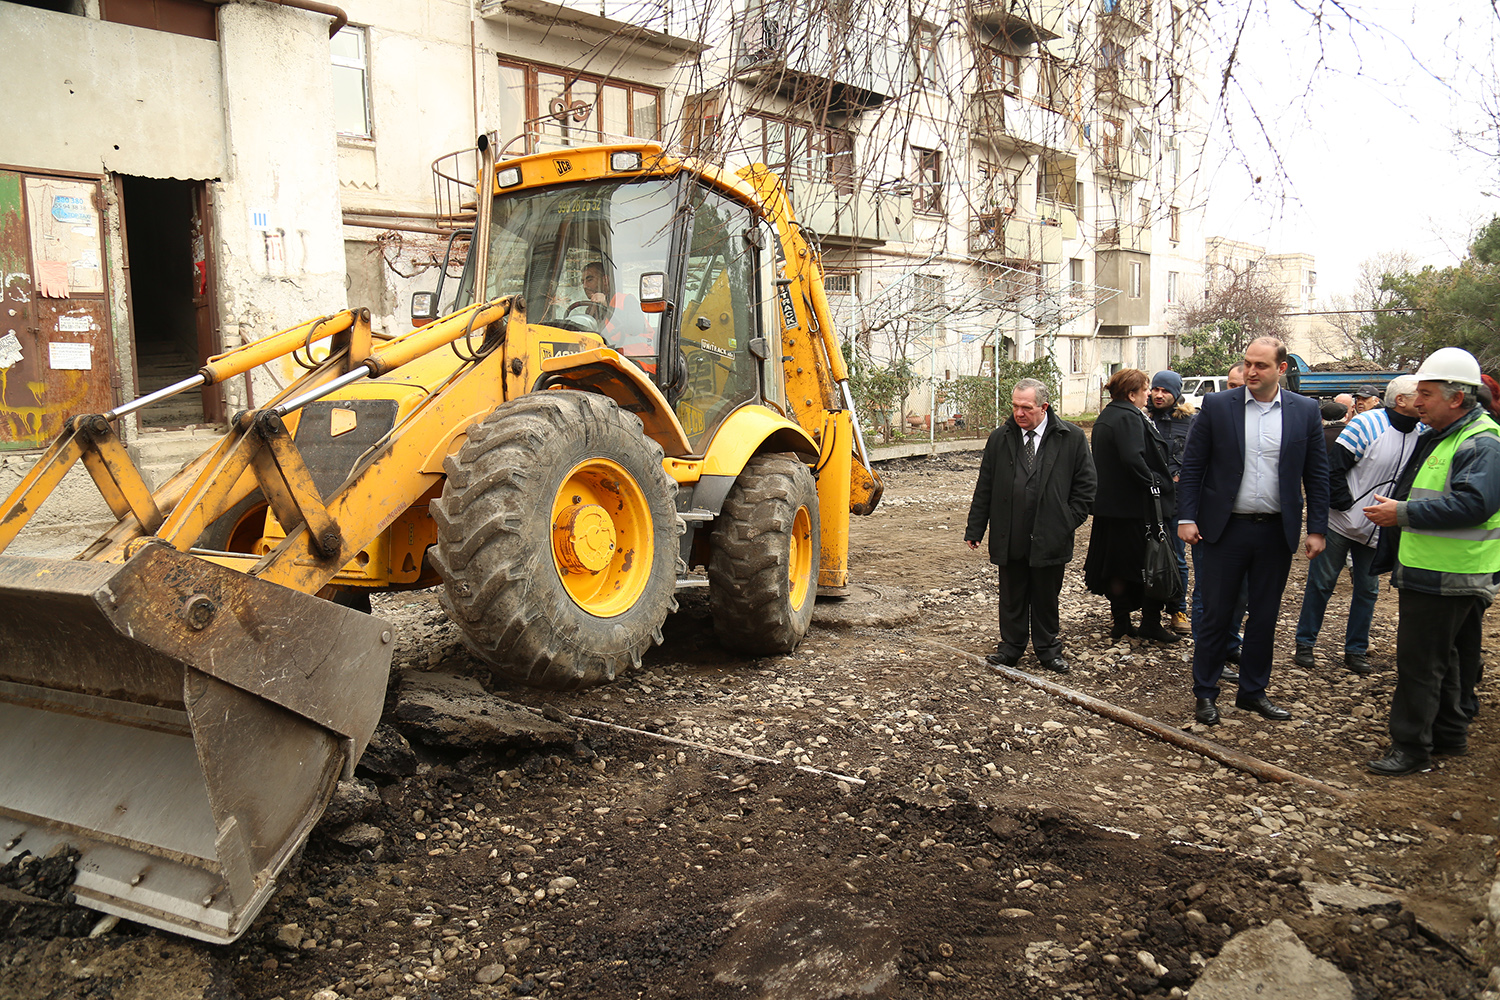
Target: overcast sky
(1363, 117)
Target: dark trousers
(1470, 643)
(1028, 608)
(1425, 705)
(1255, 552)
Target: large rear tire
(557, 540)
(763, 570)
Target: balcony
(857, 217)
(1126, 164)
(1121, 87)
(1007, 121)
(794, 49)
(1120, 234)
(661, 38)
(1125, 17)
(1021, 22)
(1000, 236)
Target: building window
(1075, 354)
(562, 108)
(1135, 279)
(1176, 219)
(1078, 199)
(799, 150)
(999, 188)
(1052, 84)
(1075, 279)
(351, 83)
(1172, 290)
(839, 283)
(700, 124)
(999, 71)
(1140, 354)
(931, 307)
(924, 44)
(927, 195)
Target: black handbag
(1162, 581)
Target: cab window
(718, 316)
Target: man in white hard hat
(1444, 560)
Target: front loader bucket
(180, 723)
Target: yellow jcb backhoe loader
(638, 374)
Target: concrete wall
(288, 266)
(94, 97)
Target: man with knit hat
(1440, 539)
(1172, 415)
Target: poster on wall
(65, 237)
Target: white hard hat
(1449, 364)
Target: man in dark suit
(1250, 455)
(1036, 486)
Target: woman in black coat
(1130, 457)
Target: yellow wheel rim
(602, 544)
(799, 564)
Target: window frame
(362, 64)
(926, 68)
(927, 192)
(534, 121)
(1135, 279)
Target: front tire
(557, 540)
(763, 570)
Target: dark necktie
(1029, 455)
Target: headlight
(627, 159)
(509, 177)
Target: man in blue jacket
(1250, 455)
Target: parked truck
(179, 700)
(1300, 377)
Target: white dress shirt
(1260, 485)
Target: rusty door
(205, 304)
(55, 356)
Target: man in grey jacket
(1036, 486)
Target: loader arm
(817, 385)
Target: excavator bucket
(180, 724)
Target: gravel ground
(951, 833)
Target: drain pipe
(313, 6)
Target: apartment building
(1011, 177)
(1016, 176)
(1293, 277)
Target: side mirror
(653, 292)
(423, 308)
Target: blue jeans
(1322, 574)
(1236, 621)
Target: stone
(388, 755)
(359, 835)
(1270, 963)
(1348, 897)
(562, 883)
(816, 949)
(289, 936)
(1015, 913)
(515, 946)
(868, 606)
(351, 801)
(448, 710)
(489, 974)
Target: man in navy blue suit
(1250, 455)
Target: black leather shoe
(1396, 763)
(1263, 707)
(1229, 677)
(1304, 657)
(1156, 633)
(1001, 660)
(1207, 712)
(1233, 656)
(1457, 750)
(1057, 665)
(1358, 663)
(1118, 631)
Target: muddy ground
(1002, 843)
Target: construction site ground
(999, 841)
